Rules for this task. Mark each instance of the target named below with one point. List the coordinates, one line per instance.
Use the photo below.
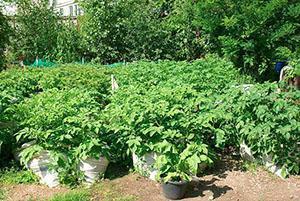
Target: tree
(4, 39)
(36, 31)
(249, 31)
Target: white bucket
(92, 168)
(145, 164)
(40, 166)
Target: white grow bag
(40, 166)
(92, 168)
(145, 164)
(246, 154)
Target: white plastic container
(40, 166)
(92, 168)
(266, 160)
(145, 164)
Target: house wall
(9, 9)
(66, 7)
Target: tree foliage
(249, 32)
(4, 33)
(42, 33)
(133, 30)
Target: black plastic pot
(174, 190)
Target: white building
(66, 7)
(9, 9)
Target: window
(61, 11)
(76, 10)
(71, 10)
(54, 3)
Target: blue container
(279, 65)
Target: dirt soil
(225, 182)
(24, 192)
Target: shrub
(249, 32)
(4, 33)
(58, 41)
(77, 76)
(208, 74)
(132, 30)
(63, 123)
(15, 86)
(69, 47)
(268, 122)
(34, 39)
(165, 107)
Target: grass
(2, 194)
(14, 175)
(74, 195)
(250, 166)
(100, 191)
(110, 192)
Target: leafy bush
(69, 47)
(15, 86)
(78, 76)
(133, 30)
(249, 32)
(268, 122)
(179, 166)
(58, 41)
(166, 108)
(34, 39)
(208, 74)
(63, 123)
(4, 33)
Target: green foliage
(57, 41)
(166, 108)
(15, 85)
(4, 33)
(34, 39)
(133, 30)
(68, 130)
(69, 43)
(57, 108)
(178, 165)
(74, 195)
(249, 31)
(77, 76)
(16, 176)
(184, 112)
(267, 121)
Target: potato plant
(69, 131)
(15, 86)
(268, 122)
(183, 111)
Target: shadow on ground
(219, 171)
(198, 187)
(117, 170)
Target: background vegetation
(252, 34)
